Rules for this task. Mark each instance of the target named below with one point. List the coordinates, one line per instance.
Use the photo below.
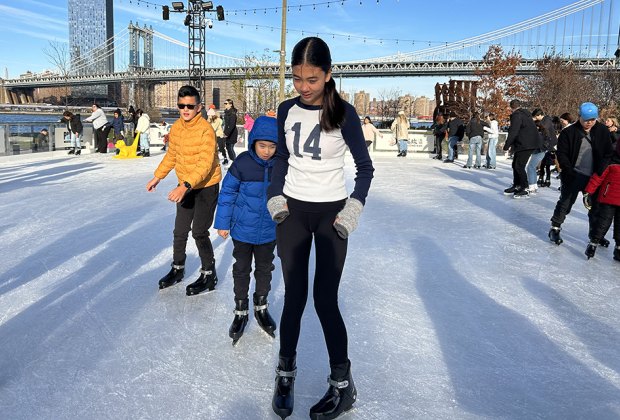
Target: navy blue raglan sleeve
(354, 139)
(280, 163)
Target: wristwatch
(187, 185)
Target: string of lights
(348, 37)
(300, 7)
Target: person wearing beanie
(242, 214)
(584, 149)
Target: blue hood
(265, 128)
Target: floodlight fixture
(178, 6)
(165, 13)
(617, 53)
(187, 20)
(207, 5)
(220, 13)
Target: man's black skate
(174, 276)
(617, 253)
(604, 243)
(283, 395)
(206, 281)
(262, 315)
(338, 399)
(591, 249)
(554, 235)
(78, 152)
(239, 321)
(511, 190)
(71, 151)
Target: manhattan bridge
(585, 33)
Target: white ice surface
(456, 304)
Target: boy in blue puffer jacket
(242, 213)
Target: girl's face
(563, 122)
(609, 122)
(309, 82)
(366, 120)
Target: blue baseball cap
(588, 111)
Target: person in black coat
(230, 128)
(523, 139)
(439, 131)
(584, 148)
(75, 127)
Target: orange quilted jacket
(192, 153)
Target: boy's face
(186, 113)
(264, 149)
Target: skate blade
(235, 342)
(202, 292)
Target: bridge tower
(140, 60)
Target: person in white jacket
(101, 128)
(370, 131)
(143, 127)
(493, 130)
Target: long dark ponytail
(314, 51)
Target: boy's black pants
(263, 262)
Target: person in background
(166, 128)
(474, 131)
(612, 124)
(308, 199)
(456, 132)
(370, 132)
(101, 128)
(41, 141)
(440, 132)
(584, 149)
(400, 129)
(142, 127)
(191, 153)
(118, 125)
(242, 214)
(230, 128)
(492, 128)
(218, 127)
(523, 139)
(75, 128)
(609, 205)
(248, 122)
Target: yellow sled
(128, 152)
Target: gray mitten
(346, 220)
(277, 208)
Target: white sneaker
(533, 189)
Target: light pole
(196, 22)
(282, 52)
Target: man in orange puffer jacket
(192, 154)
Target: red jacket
(609, 183)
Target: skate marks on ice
(499, 361)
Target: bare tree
(256, 90)
(388, 103)
(57, 54)
(499, 82)
(560, 87)
(608, 89)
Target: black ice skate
(591, 249)
(554, 235)
(283, 395)
(239, 321)
(174, 276)
(338, 399)
(511, 190)
(206, 281)
(78, 152)
(71, 151)
(261, 313)
(604, 243)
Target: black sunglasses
(188, 106)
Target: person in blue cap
(583, 148)
(243, 215)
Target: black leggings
(308, 222)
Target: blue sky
(28, 26)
